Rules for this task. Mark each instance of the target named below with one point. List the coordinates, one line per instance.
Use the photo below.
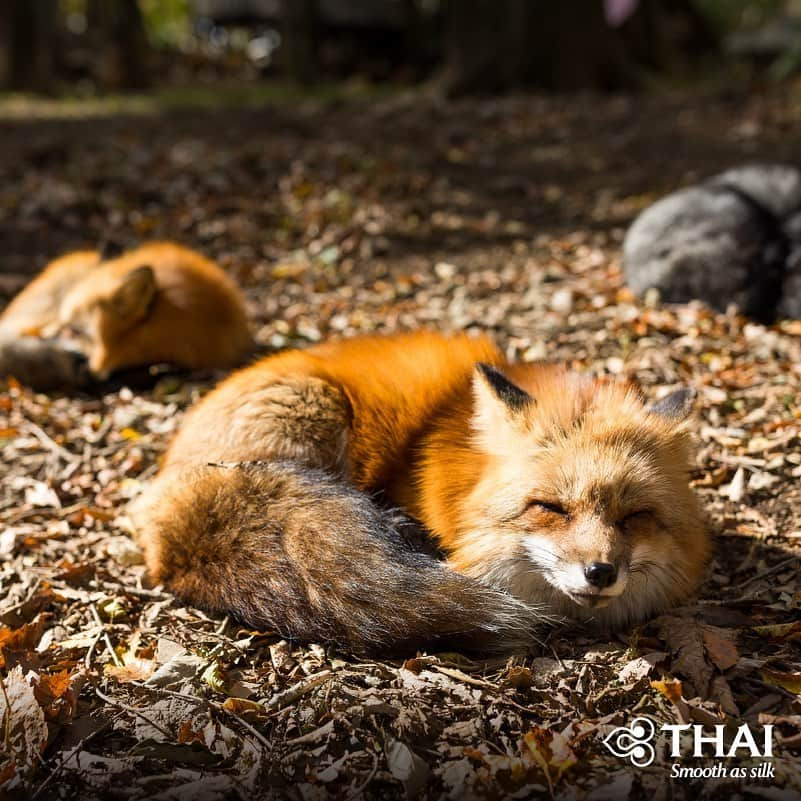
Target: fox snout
(594, 583)
(591, 577)
(602, 588)
(601, 574)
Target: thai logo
(633, 742)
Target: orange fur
(393, 386)
(37, 305)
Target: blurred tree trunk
(5, 45)
(300, 40)
(492, 45)
(485, 46)
(133, 45)
(28, 44)
(573, 47)
(118, 28)
(668, 34)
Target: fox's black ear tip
(677, 405)
(110, 249)
(491, 375)
(487, 370)
(511, 394)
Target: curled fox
(91, 313)
(549, 494)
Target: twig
(298, 690)
(242, 722)
(7, 716)
(49, 442)
(71, 754)
(463, 677)
(87, 660)
(9, 609)
(164, 691)
(213, 704)
(135, 711)
(313, 736)
(763, 573)
(139, 592)
(357, 791)
(117, 661)
(556, 656)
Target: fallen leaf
(519, 677)
(670, 688)
(133, 669)
(673, 690)
(550, 751)
(214, 677)
(720, 647)
(21, 639)
(408, 768)
(194, 753)
(113, 609)
(57, 694)
(735, 490)
(720, 691)
(290, 269)
(181, 668)
(168, 716)
(24, 727)
(788, 681)
(39, 494)
(641, 667)
(686, 641)
(780, 632)
(244, 708)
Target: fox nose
(600, 574)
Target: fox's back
(197, 319)
(391, 386)
(37, 306)
(192, 288)
(395, 387)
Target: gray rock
(776, 187)
(790, 302)
(735, 239)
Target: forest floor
(349, 217)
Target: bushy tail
(283, 547)
(42, 363)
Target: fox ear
(498, 403)
(109, 249)
(676, 406)
(502, 389)
(132, 299)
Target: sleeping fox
(91, 313)
(286, 498)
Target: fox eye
(72, 331)
(633, 518)
(546, 506)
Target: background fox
(550, 494)
(91, 313)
